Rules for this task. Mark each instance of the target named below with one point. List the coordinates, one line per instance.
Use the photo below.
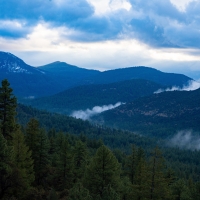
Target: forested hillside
(48, 162)
(88, 96)
(158, 115)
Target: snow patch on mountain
(12, 64)
(14, 67)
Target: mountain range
(32, 82)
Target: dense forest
(51, 157)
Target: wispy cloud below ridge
(192, 85)
(88, 113)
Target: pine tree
(78, 192)
(109, 194)
(140, 186)
(38, 143)
(158, 184)
(80, 155)
(23, 165)
(64, 168)
(41, 157)
(126, 189)
(6, 157)
(181, 191)
(8, 104)
(103, 171)
(130, 165)
(32, 132)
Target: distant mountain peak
(10, 63)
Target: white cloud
(119, 4)
(181, 4)
(104, 7)
(88, 113)
(192, 85)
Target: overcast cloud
(164, 31)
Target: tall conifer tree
(158, 183)
(5, 167)
(23, 165)
(64, 169)
(80, 160)
(103, 172)
(8, 104)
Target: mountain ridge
(47, 80)
(13, 64)
(139, 72)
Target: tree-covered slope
(88, 96)
(112, 137)
(160, 114)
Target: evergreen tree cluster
(39, 164)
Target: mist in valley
(88, 113)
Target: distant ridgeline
(31, 82)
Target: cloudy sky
(104, 34)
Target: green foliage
(157, 182)
(78, 192)
(23, 165)
(103, 171)
(109, 194)
(8, 104)
(80, 160)
(41, 157)
(64, 170)
(38, 143)
(32, 132)
(5, 167)
(181, 191)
